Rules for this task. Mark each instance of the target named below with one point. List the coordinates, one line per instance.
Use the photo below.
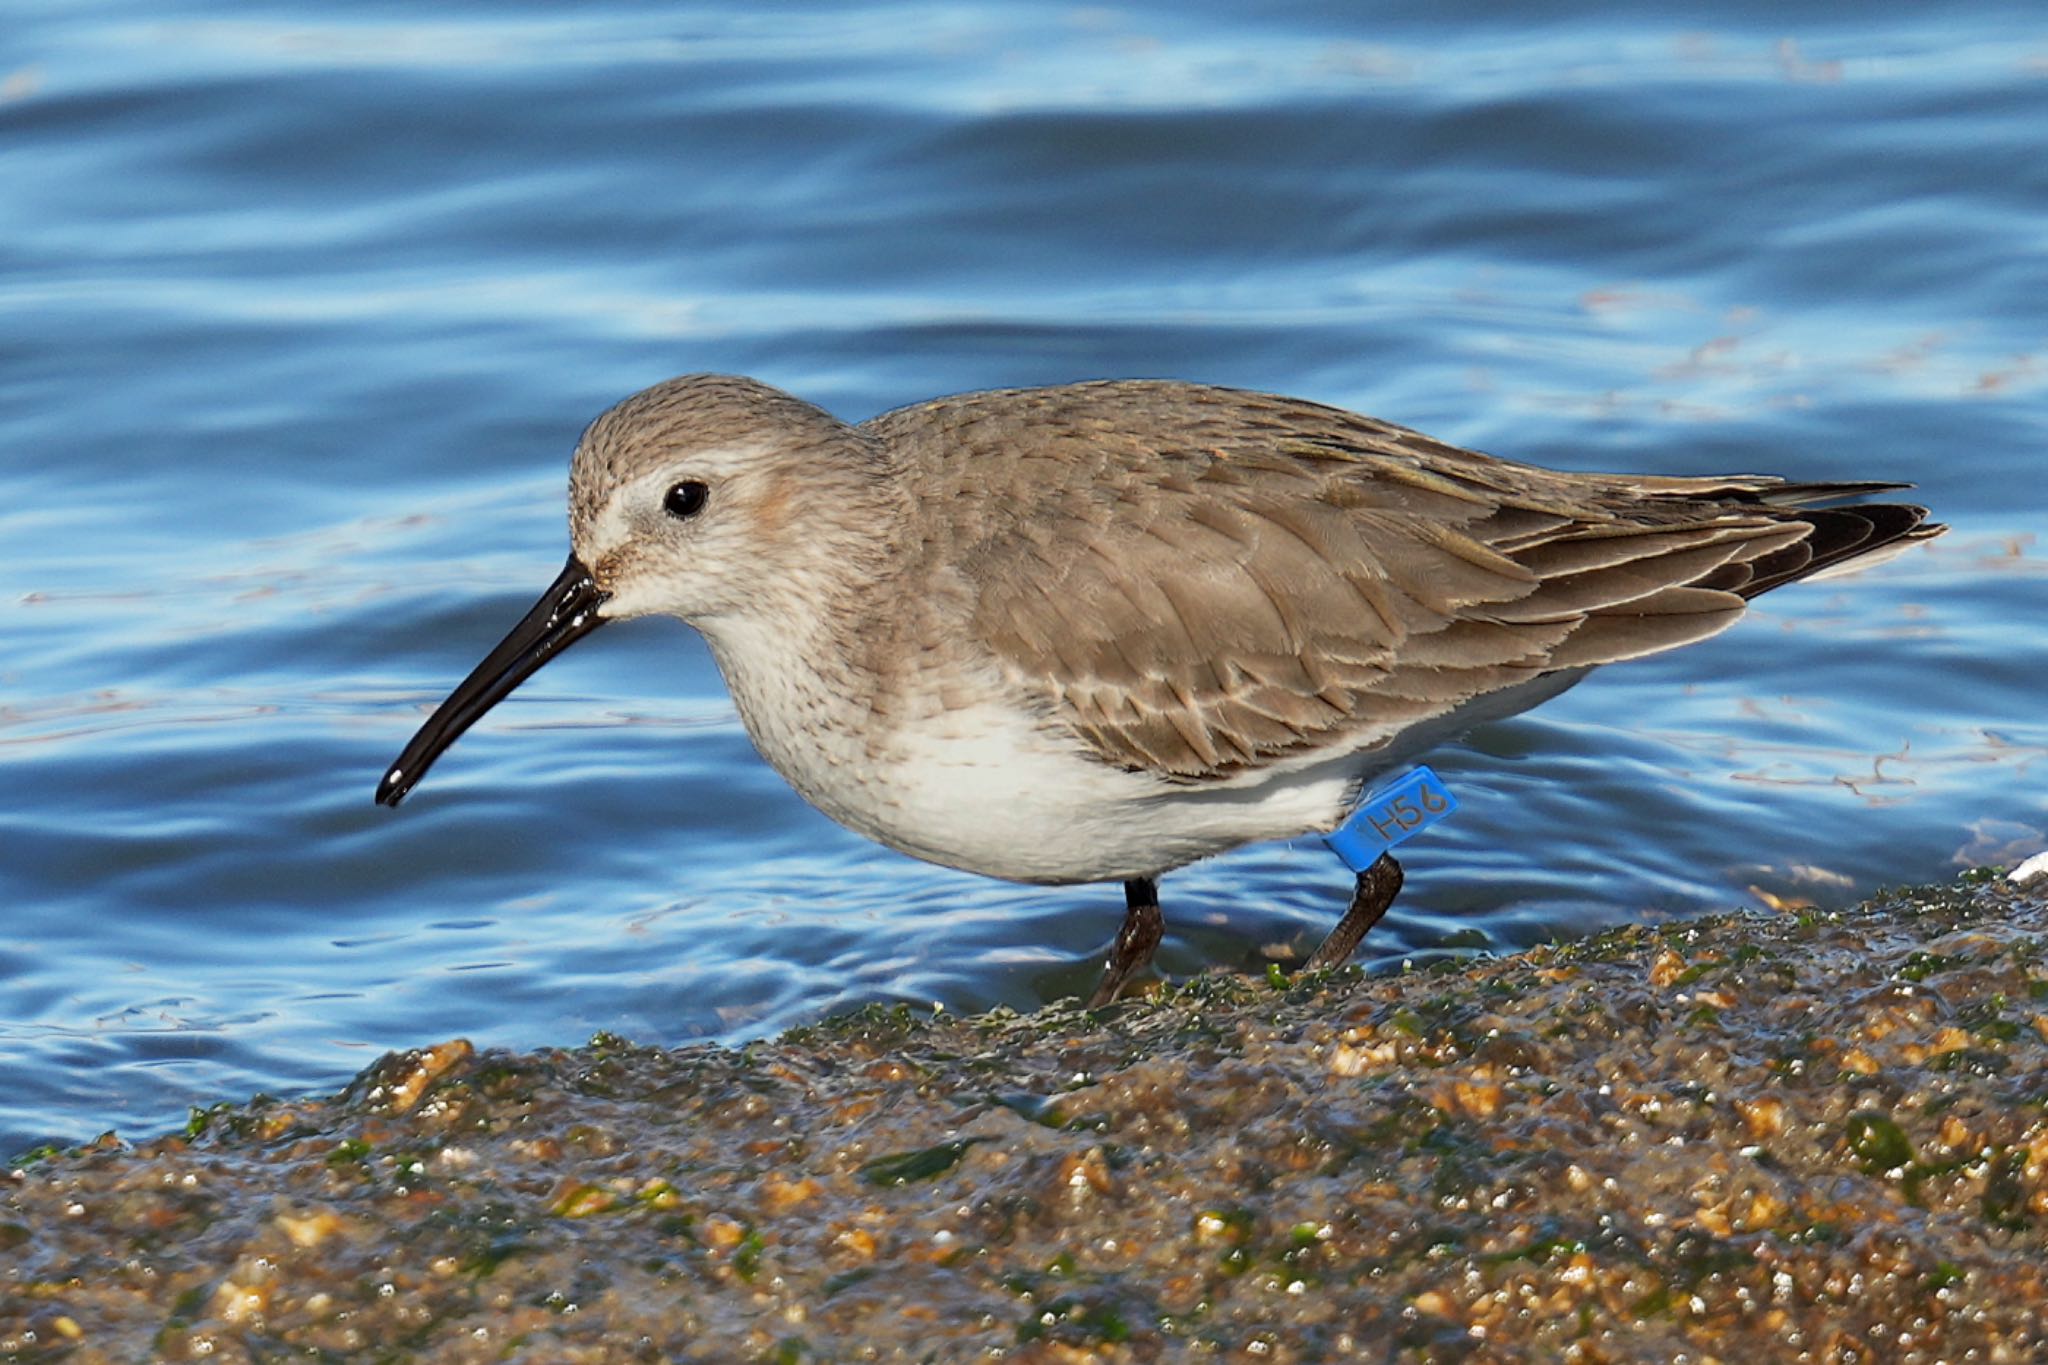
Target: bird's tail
(1840, 539)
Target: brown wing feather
(1199, 581)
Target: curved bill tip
(566, 613)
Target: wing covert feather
(1200, 581)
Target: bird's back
(1203, 582)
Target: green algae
(908, 1168)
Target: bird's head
(702, 497)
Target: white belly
(988, 788)
(987, 792)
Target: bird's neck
(800, 667)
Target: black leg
(1143, 926)
(1377, 887)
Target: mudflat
(1803, 1134)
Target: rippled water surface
(304, 307)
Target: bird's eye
(685, 500)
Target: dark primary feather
(1204, 580)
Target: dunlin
(1096, 632)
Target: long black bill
(566, 613)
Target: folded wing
(1301, 576)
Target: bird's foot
(1377, 887)
(1142, 929)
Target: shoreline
(1787, 1135)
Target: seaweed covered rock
(1797, 1136)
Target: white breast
(990, 788)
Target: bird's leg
(1143, 926)
(1377, 887)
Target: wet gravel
(1794, 1136)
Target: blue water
(305, 305)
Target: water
(304, 312)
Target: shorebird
(1093, 633)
